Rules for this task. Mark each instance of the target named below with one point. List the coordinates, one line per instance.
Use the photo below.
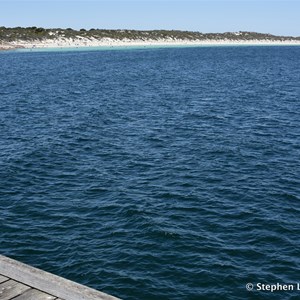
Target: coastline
(6, 47)
(108, 42)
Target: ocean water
(167, 173)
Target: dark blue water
(154, 174)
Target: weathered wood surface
(48, 283)
(33, 294)
(10, 289)
(3, 278)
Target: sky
(280, 17)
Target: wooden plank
(10, 289)
(3, 278)
(49, 283)
(33, 294)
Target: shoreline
(112, 43)
(5, 47)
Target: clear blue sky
(267, 16)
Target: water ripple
(153, 174)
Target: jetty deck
(19, 281)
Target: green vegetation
(37, 33)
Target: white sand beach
(7, 46)
(108, 42)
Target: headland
(34, 37)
